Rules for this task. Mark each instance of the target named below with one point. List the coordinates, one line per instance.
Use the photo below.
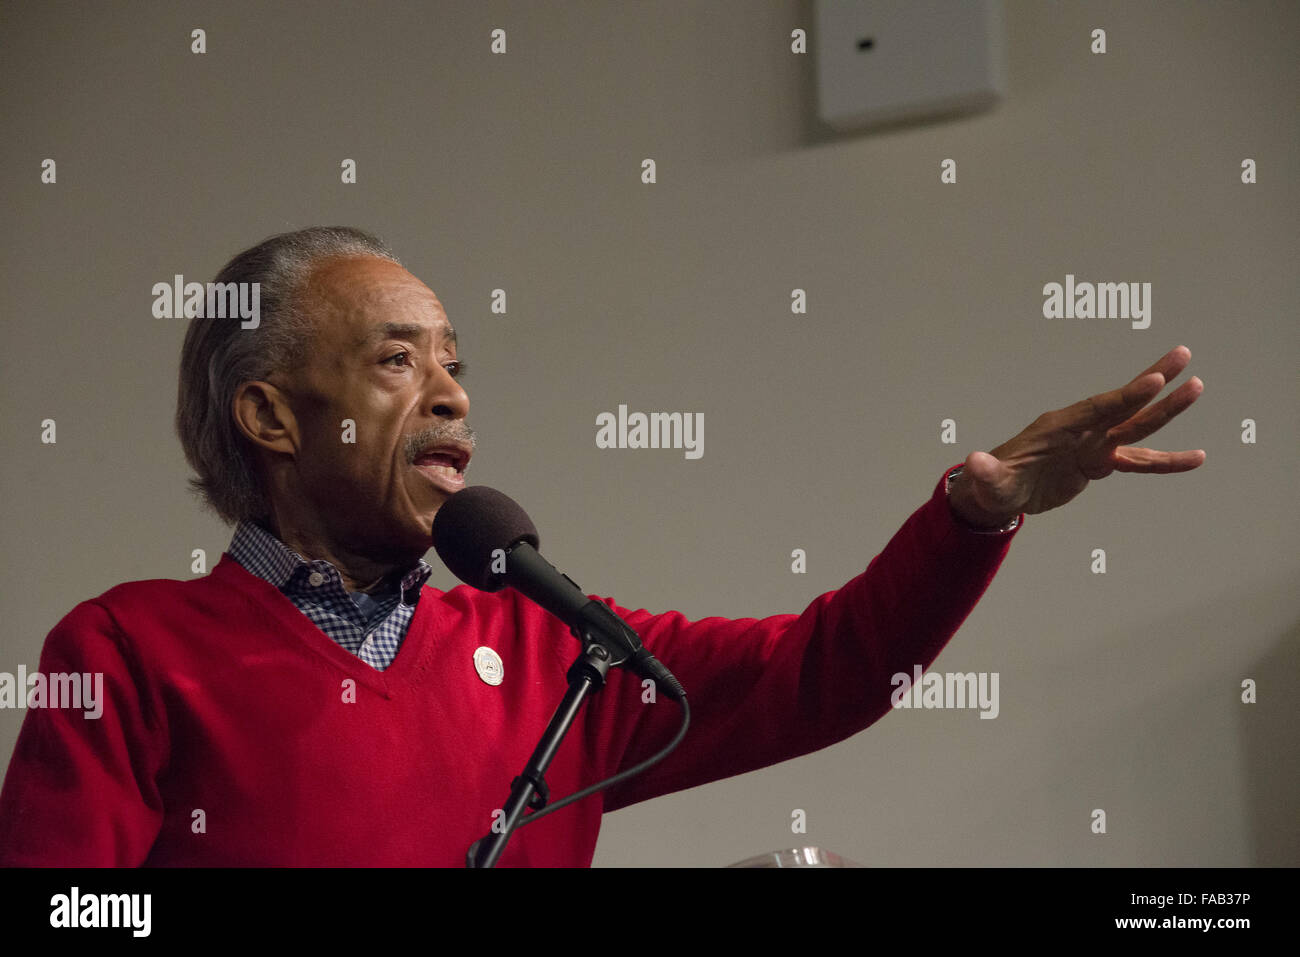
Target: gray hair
(218, 356)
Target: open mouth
(445, 465)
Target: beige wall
(1118, 691)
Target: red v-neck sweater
(228, 735)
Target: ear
(263, 414)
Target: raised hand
(1055, 458)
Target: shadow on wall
(1189, 775)
(1270, 735)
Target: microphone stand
(586, 676)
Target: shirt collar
(265, 556)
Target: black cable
(621, 776)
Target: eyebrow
(405, 330)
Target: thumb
(983, 467)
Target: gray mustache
(460, 433)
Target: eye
(455, 368)
(398, 355)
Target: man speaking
(312, 702)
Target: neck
(360, 572)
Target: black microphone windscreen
(472, 524)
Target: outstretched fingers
(1107, 409)
(1128, 458)
(1157, 416)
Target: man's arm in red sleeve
(766, 690)
(81, 791)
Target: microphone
(489, 542)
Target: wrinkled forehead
(348, 298)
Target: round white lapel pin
(488, 665)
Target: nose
(446, 397)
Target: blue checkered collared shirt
(370, 626)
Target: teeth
(440, 453)
(442, 469)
